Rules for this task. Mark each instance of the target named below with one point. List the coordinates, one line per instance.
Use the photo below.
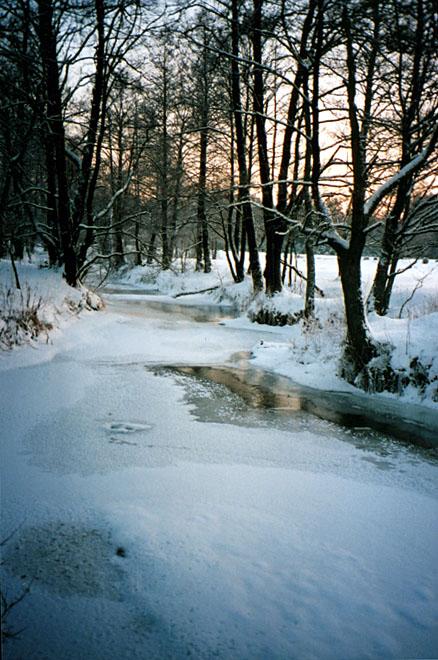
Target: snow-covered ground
(148, 528)
(55, 304)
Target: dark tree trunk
(117, 259)
(231, 263)
(151, 248)
(204, 116)
(244, 194)
(117, 250)
(164, 187)
(165, 258)
(237, 229)
(198, 250)
(241, 262)
(233, 220)
(309, 306)
(391, 280)
(14, 268)
(274, 227)
(48, 49)
(286, 262)
(274, 245)
(236, 269)
(359, 349)
(380, 294)
(378, 300)
(202, 192)
(312, 169)
(68, 219)
(176, 198)
(206, 247)
(293, 107)
(83, 199)
(138, 250)
(53, 242)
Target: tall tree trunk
(202, 192)
(244, 199)
(116, 162)
(138, 249)
(203, 111)
(232, 223)
(53, 242)
(294, 98)
(198, 248)
(176, 197)
(83, 199)
(274, 227)
(286, 262)
(312, 169)
(13, 266)
(309, 305)
(164, 187)
(151, 248)
(359, 349)
(48, 50)
(117, 256)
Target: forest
(140, 132)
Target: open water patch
(248, 396)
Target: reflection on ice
(247, 396)
(149, 304)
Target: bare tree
(111, 30)
(244, 200)
(204, 66)
(21, 152)
(411, 87)
(276, 212)
(359, 64)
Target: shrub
(270, 316)
(21, 317)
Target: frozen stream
(166, 512)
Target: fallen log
(193, 293)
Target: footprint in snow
(126, 427)
(120, 441)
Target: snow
(309, 357)
(385, 188)
(60, 305)
(153, 530)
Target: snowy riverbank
(307, 356)
(310, 356)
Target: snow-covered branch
(74, 158)
(410, 168)
(117, 194)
